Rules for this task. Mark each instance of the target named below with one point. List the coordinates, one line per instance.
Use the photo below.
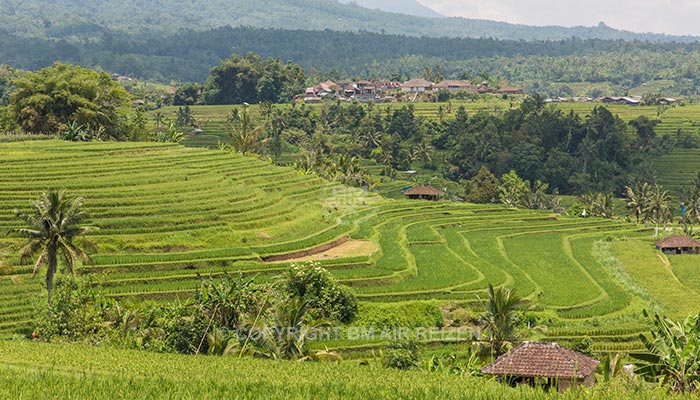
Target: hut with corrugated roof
(678, 244)
(546, 364)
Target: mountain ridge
(408, 7)
(76, 20)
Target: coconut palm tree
(247, 137)
(637, 199)
(52, 226)
(287, 335)
(659, 207)
(499, 317)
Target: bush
(74, 312)
(324, 297)
(402, 355)
(184, 330)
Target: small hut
(678, 244)
(547, 364)
(424, 193)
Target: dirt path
(349, 248)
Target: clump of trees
(228, 315)
(66, 97)
(251, 79)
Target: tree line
(189, 55)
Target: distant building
(455, 86)
(545, 364)
(416, 86)
(510, 90)
(629, 100)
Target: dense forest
(189, 56)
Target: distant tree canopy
(51, 99)
(250, 79)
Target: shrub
(402, 355)
(324, 297)
(74, 311)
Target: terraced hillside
(167, 213)
(678, 168)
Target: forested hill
(189, 56)
(79, 20)
(409, 7)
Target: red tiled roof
(545, 360)
(424, 191)
(677, 241)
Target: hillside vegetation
(71, 18)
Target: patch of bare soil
(347, 248)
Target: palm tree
(603, 205)
(52, 226)
(158, 117)
(287, 336)
(659, 207)
(246, 136)
(637, 198)
(498, 319)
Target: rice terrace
(334, 199)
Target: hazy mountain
(81, 20)
(408, 7)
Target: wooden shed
(424, 193)
(546, 364)
(678, 244)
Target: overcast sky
(677, 17)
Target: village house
(456, 86)
(416, 86)
(544, 364)
(510, 90)
(628, 100)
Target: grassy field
(167, 213)
(35, 370)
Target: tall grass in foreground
(37, 370)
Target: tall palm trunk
(52, 263)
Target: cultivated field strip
(168, 215)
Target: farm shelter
(678, 244)
(547, 364)
(424, 193)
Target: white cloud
(662, 16)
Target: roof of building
(511, 89)
(545, 360)
(417, 83)
(452, 83)
(677, 241)
(424, 191)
